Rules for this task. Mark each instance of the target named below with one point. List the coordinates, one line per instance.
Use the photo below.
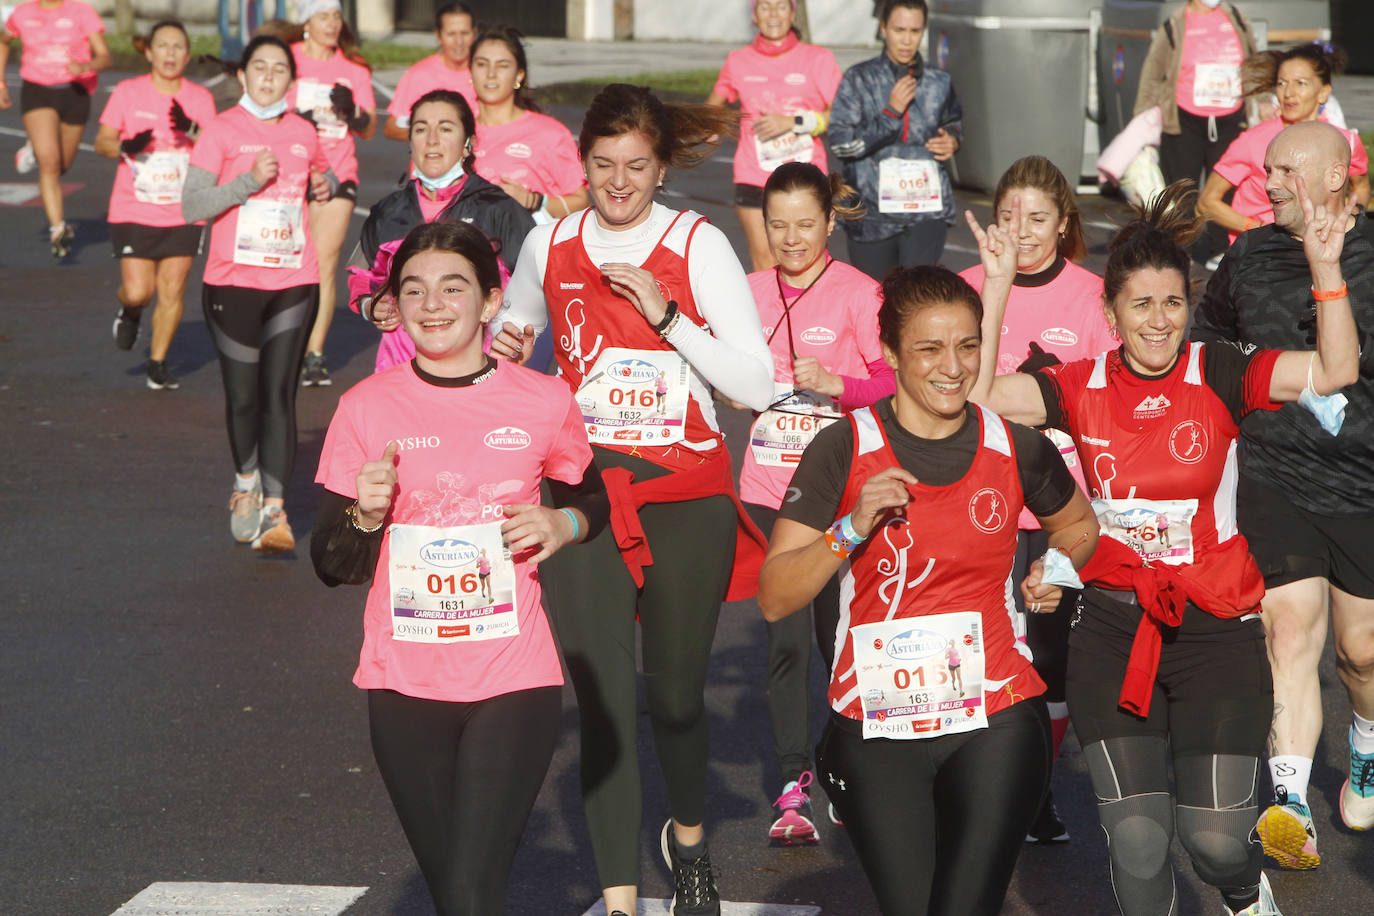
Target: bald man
(1305, 500)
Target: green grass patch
(675, 86)
(382, 54)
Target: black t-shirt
(1261, 296)
(813, 499)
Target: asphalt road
(176, 709)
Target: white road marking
(199, 898)
(12, 132)
(16, 194)
(655, 907)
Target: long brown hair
(680, 135)
(1039, 173)
(1155, 239)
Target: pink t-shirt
(147, 189)
(315, 79)
(265, 243)
(465, 452)
(1065, 318)
(836, 321)
(803, 79)
(425, 76)
(534, 150)
(1209, 72)
(52, 39)
(1242, 165)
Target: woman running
(893, 123)
(529, 155)
(333, 89)
(629, 289)
(912, 503)
(455, 27)
(1054, 315)
(250, 173)
(463, 683)
(1167, 655)
(1301, 76)
(443, 189)
(149, 125)
(784, 88)
(64, 48)
(821, 320)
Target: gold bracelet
(352, 513)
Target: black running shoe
(1047, 828)
(159, 378)
(694, 883)
(126, 328)
(314, 374)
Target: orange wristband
(1322, 295)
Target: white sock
(1291, 772)
(246, 483)
(1362, 736)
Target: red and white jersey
(955, 554)
(1164, 445)
(587, 318)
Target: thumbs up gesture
(377, 487)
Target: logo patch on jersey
(507, 438)
(1060, 336)
(299, 150)
(565, 285)
(518, 151)
(818, 336)
(663, 290)
(146, 115)
(987, 509)
(1151, 407)
(795, 79)
(1188, 442)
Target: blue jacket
(862, 133)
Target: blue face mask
(444, 180)
(275, 110)
(1329, 409)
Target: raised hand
(137, 143)
(376, 485)
(997, 246)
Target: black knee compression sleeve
(1217, 807)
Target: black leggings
(1046, 634)
(938, 822)
(260, 336)
(789, 665)
(463, 778)
(921, 242)
(592, 602)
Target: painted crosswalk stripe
(658, 907)
(197, 898)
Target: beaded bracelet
(842, 539)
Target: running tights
(921, 242)
(938, 822)
(593, 601)
(260, 336)
(463, 778)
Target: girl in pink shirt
(149, 126)
(530, 155)
(431, 491)
(1301, 76)
(455, 27)
(820, 317)
(784, 89)
(64, 48)
(333, 88)
(250, 173)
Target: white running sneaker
(274, 534)
(245, 511)
(1357, 795)
(24, 160)
(1265, 905)
(1285, 829)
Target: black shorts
(153, 243)
(72, 100)
(348, 190)
(748, 197)
(1291, 544)
(1213, 693)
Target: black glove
(137, 143)
(346, 107)
(181, 121)
(1037, 360)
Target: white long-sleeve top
(730, 354)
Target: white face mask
(1211, 4)
(275, 110)
(442, 181)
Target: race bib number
(909, 186)
(271, 233)
(1159, 530)
(313, 98)
(920, 677)
(451, 584)
(1216, 86)
(159, 177)
(790, 147)
(635, 397)
(782, 432)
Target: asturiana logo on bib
(1061, 336)
(818, 336)
(632, 371)
(915, 644)
(507, 438)
(449, 553)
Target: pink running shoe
(795, 826)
